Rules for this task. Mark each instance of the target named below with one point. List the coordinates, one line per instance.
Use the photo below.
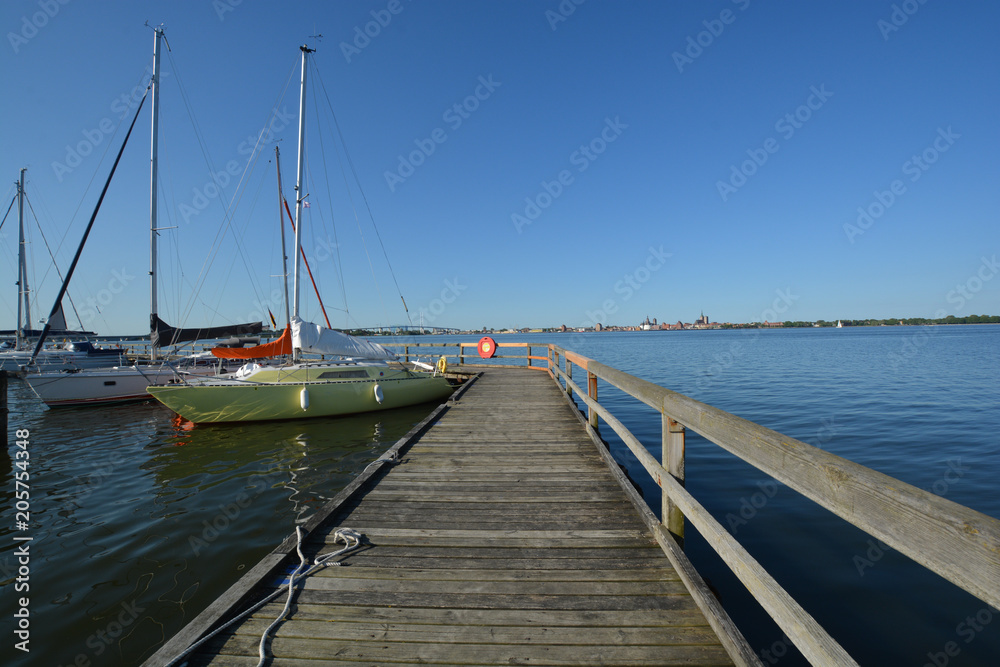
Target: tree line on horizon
(895, 321)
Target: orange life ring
(487, 347)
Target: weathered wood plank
(499, 537)
(381, 652)
(495, 618)
(469, 634)
(496, 574)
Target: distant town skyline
(792, 162)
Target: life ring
(442, 365)
(487, 347)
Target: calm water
(139, 524)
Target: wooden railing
(462, 353)
(958, 543)
(954, 541)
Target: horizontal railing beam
(799, 626)
(958, 543)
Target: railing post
(528, 347)
(461, 355)
(569, 377)
(592, 392)
(406, 353)
(673, 462)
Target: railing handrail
(954, 541)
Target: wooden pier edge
(732, 639)
(237, 596)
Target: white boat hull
(104, 386)
(58, 360)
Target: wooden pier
(499, 537)
(500, 530)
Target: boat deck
(499, 536)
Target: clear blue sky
(746, 159)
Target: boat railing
(954, 541)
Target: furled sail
(162, 334)
(276, 348)
(310, 337)
(58, 319)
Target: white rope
(351, 538)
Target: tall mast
(23, 293)
(281, 229)
(298, 188)
(155, 83)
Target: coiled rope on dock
(351, 539)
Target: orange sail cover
(276, 348)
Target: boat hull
(60, 360)
(264, 401)
(97, 387)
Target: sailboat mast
(158, 33)
(23, 293)
(281, 229)
(298, 181)
(298, 189)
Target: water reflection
(140, 520)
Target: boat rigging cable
(234, 202)
(53, 258)
(308, 270)
(90, 225)
(361, 190)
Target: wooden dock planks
(500, 537)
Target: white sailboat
(122, 383)
(363, 380)
(68, 356)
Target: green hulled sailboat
(363, 380)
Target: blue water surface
(138, 523)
